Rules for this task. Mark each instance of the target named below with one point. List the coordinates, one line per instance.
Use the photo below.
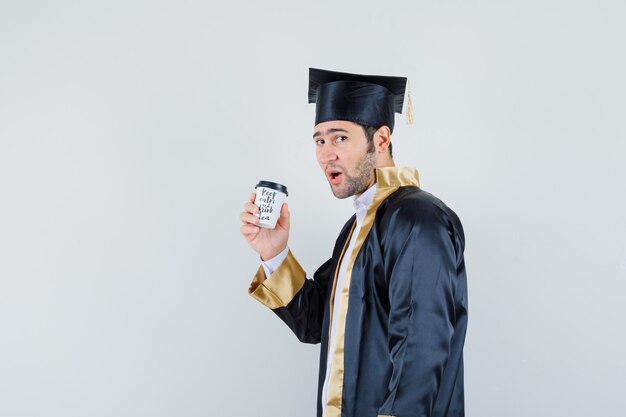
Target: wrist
(266, 256)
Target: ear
(382, 139)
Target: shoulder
(413, 203)
(411, 208)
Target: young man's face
(345, 156)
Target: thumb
(283, 220)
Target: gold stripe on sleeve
(281, 287)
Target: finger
(251, 208)
(283, 220)
(248, 218)
(284, 211)
(252, 197)
(249, 230)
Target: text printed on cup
(267, 203)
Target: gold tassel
(409, 105)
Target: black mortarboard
(369, 100)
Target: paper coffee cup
(270, 197)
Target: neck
(372, 181)
(385, 161)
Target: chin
(340, 193)
(336, 192)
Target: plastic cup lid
(273, 185)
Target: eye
(319, 142)
(341, 139)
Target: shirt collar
(362, 202)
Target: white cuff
(271, 264)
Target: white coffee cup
(270, 197)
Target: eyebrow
(329, 131)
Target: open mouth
(334, 176)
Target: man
(390, 306)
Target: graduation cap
(369, 100)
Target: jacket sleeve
(298, 301)
(421, 259)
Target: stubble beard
(359, 182)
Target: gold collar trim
(391, 177)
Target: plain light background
(131, 133)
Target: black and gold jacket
(403, 308)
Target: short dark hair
(369, 134)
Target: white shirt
(361, 203)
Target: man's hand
(266, 242)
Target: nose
(326, 154)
